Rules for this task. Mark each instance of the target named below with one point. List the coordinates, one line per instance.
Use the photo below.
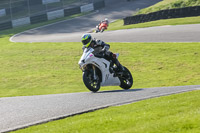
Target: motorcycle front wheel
(102, 29)
(90, 83)
(97, 30)
(126, 80)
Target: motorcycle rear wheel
(92, 85)
(126, 80)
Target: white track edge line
(11, 38)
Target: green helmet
(86, 40)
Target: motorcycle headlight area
(83, 67)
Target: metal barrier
(15, 13)
(163, 14)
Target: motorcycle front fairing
(105, 25)
(85, 58)
(107, 78)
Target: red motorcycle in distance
(101, 27)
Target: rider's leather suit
(101, 47)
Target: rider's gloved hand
(102, 52)
(106, 48)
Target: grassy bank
(119, 24)
(169, 4)
(50, 68)
(176, 113)
(165, 4)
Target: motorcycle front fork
(94, 72)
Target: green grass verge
(119, 24)
(165, 4)
(169, 4)
(50, 68)
(178, 113)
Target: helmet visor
(86, 42)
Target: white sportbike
(98, 72)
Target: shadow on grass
(130, 90)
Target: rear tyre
(89, 82)
(126, 79)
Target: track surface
(20, 112)
(179, 33)
(66, 30)
(72, 30)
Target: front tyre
(97, 30)
(90, 83)
(102, 29)
(126, 79)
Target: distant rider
(100, 47)
(103, 21)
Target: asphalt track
(72, 30)
(179, 33)
(21, 112)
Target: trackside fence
(14, 13)
(163, 14)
